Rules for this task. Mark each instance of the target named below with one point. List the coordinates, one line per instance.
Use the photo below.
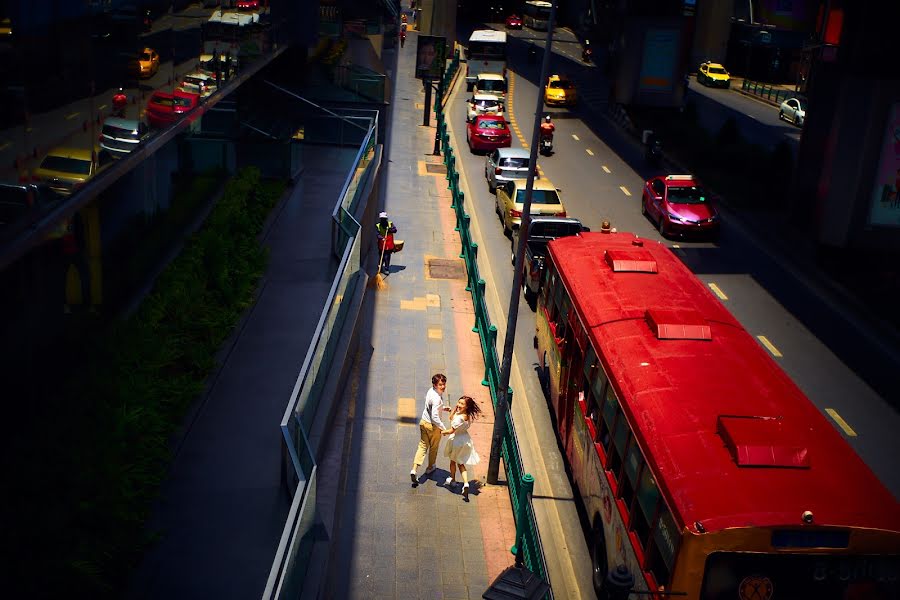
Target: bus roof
(488, 35)
(732, 440)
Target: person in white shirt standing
(431, 427)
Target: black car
(22, 204)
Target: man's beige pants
(429, 440)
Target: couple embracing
(459, 447)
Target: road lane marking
(589, 151)
(72, 116)
(574, 137)
(718, 292)
(771, 347)
(605, 168)
(840, 421)
(5, 146)
(624, 190)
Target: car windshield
(119, 132)
(687, 195)
(65, 164)
(163, 101)
(182, 102)
(485, 104)
(491, 125)
(514, 163)
(492, 85)
(561, 85)
(718, 71)
(538, 197)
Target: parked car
(713, 75)
(793, 110)
(505, 164)
(680, 206)
(164, 108)
(198, 83)
(66, 170)
(22, 204)
(483, 104)
(145, 64)
(514, 22)
(490, 83)
(121, 136)
(488, 132)
(560, 91)
(545, 201)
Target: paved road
(602, 178)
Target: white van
(491, 83)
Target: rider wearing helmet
(547, 128)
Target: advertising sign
(430, 57)
(659, 59)
(885, 203)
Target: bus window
(633, 464)
(647, 500)
(610, 408)
(619, 442)
(590, 363)
(661, 554)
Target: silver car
(793, 110)
(121, 136)
(505, 164)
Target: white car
(198, 83)
(483, 104)
(793, 110)
(504, 164)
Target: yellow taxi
(560, 91)
(148, 62)
(545, 202)
(65, 170)
(713, 75)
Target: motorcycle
(587, 54)
(546, 145)
(119, 103)
(653, 152)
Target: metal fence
(763, 90)
(528, 540)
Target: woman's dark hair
(472, 408)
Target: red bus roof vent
(762, 442)
(677, 324)
(634, 261)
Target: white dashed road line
(770, 346)
(605, 168)
(718, 292)
(574, 137)
(589, 151)
(624, 190)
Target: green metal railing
(763, 90)
(528, 540)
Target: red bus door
(570, 380)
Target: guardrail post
(526, 487)
(492, 341)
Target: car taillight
(561, 214)
(498, 171)
(515, 213)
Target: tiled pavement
(391, 539)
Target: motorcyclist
(547, 129)
(119, 102)
(587, 51)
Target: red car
(514, 22)
(248, 4)
(488, 132)
(680, 206)
(164, 108)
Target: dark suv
(22, 204)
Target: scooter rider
(547, 129)
(587, 52)
(119, 102)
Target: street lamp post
(513, 312)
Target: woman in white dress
(459, 446)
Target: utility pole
(513, 312)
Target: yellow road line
(718, 292)
(841, 422)
(770, 346)
(605, 168)
(72, 116)
(624, 190)
(589, 151)
(574, 137)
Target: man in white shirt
(430, 427)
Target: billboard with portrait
(885, 199)
(431, 55)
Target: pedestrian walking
(403, 27)
(430, 427)
(386, 231)
(459, 447)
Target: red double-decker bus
(702, 467)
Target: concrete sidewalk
(391, 539)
